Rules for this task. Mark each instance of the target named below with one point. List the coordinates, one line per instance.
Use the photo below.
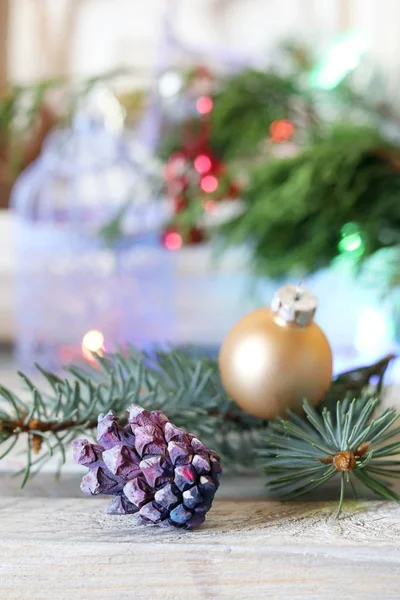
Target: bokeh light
(202, 164)
(342, 57)
(204, 105)
(172, 240)
(209, 184)
(281, 130)
(352, 241)
(169, 84)
(92, 343)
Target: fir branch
(184, 385)
(302, 454)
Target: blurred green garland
(331, 187)
(340, 193)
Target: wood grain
(68, 548)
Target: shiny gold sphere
(268, 365)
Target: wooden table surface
(68, 548)
(57, 544)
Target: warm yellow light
(92, 342)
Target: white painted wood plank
(68, 548)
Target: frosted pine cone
(151, 467)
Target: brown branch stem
(21, 426)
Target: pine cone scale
(121, 461)
(185, 476)
(192, 497)
(165, 497)
(180, 515)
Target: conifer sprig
(302, 453)
(183, 384)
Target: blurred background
(165, 166)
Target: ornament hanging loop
(300, 289)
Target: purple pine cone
(151, 467)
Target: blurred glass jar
(91, 273)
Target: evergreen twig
(184, 385)
(302, 454)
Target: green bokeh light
(352, 240)
(342, 57)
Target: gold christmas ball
(274, 358)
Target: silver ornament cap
(295, 304)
